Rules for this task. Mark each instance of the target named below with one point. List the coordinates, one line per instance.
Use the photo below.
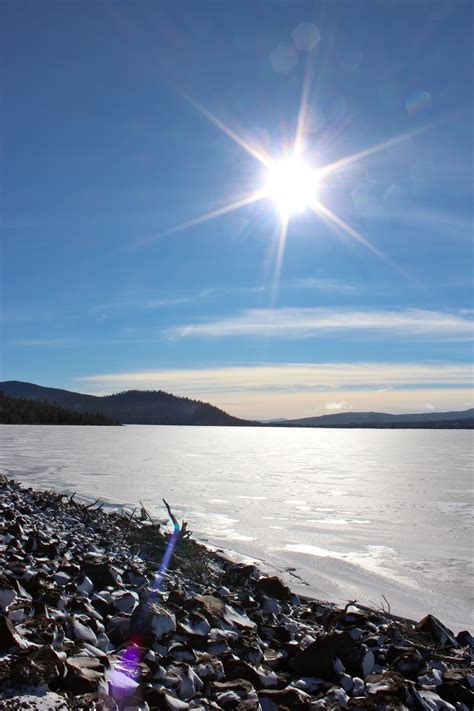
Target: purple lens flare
(123, 676)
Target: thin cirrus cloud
(307, 322)
(319, 284)
(305, 389)
(320, 377)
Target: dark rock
(78, 662)
(155, 698)
(288, 698)
(42, 666)
(100, 574)
(212, 606)
(381, 702)
(151, 622)
(9, 637)
(465, 638)
(238, 669)
(319, 657)
(97, 702)
(241, 686)
(454, 691)
(386, 683)
(410, 665)
(276, 632)
(435, 629)
(239, 573)
(273, 587)
(83, 679)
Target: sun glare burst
(292, 185)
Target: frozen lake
(343, 514)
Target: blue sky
(116, 120)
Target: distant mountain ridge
(137, 407)
(380, 418)
(156, 407)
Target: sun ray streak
(348, 160)
(282, 234)
(303, 111)
(321, 209)
(246, 200)
(257, 153)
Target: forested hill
(139, 407)
(18, 411)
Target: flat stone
(212, 605)
(290, 697)
(84, 632)
(237, 617)
(389, 682)
(83, 680)
(125, 601)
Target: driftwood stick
(144, 513)
(91, 506)
(72, 497)
(183, 529)
(170, 514)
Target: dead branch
(183, 528)
(144, 513)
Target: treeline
(18, 411)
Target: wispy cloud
(150, 300)
(342, 405)
(290, 376)
(300, 389)
(320, 284)
(305, 322)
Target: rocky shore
(85, 625)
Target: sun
(292, 185)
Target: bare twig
(91, 506)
